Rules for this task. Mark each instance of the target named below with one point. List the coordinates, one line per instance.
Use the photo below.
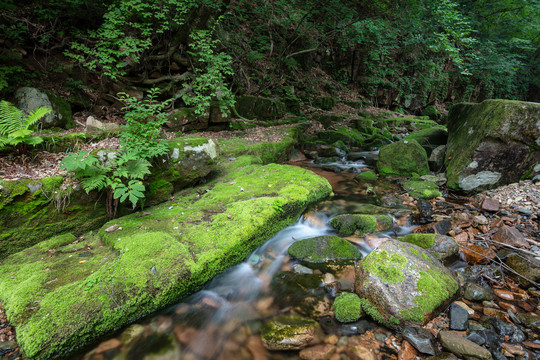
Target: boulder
(253, 107)
(443, 248)
(436, 158)
(403, 158)
(401, 284)
(290, 333)
(322, 249)
(28, 99)
(349, 137)
(347, 307)
(185, 119)
(421, 189)
(348, 224)
(492, 143)
(429, 138)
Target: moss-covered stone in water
(324, 248)
(386, 266)
(435, 287)
(425, 241)
(421, 189)
(371, 310)
(429, 138)
(347, 307)
(368, 176)
(347, 224)
(289, 333)
(402, 158)
(350, 137)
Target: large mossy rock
(403, 158)
(321, 249)
(492, 143)
(348, 224)
(441, 247)
(429, 138)
(401, 284)
(253, 107)
(66, 292)
(350, 137)
(421, 189)
(28, 99)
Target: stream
(223, 320)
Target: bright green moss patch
(389, 267)
(347, 307)
(347, 224)
(402, 158)
(422, 189)
(278, 331)
(371, 310)
(368, 176)
(425, 241)
(435, 288)
(61, 293)
(324, 248)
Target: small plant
(120, 177)
(144, 119)
(16, 128)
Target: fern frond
(11, 118)
(136, 169)
(36, 115)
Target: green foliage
(120, 177)
(144, 119)
(211, 70)
(16, 128)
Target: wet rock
(331, 326)
(510, 236)
(526, 266)
(462, 347)
(443, 227)
(477, 254)
(348, 224)
(420, 338)
(401, 284)
(347, 307)
(475, 292)
(318, 352)
(489, 143)
(402, 158)
(7, 347)
(531, 321)
(458, 317)
(425, 212)
(302, 270)
(332, 289)
(444, 248)
(490, 204)
(421, 189)
(324, 248)
(504, 329)
(290, 333)
(436, 158)
(443, 356)
(131, 333)
(153, 347)
(303, 292)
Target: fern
(16, 128)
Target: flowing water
(223, 320)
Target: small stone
(531, 321)
(466, 307)
(510, 236)
(481, 220)
(328, 278)
(504, 294)
(477, 255)
(524, 210)
(420, 338)
(290, 333)
(112, 228)
(407, 352)
(462, 347)
(491, 205)
(318, 352)
(301, 269)
(475, 292)
(458, 317)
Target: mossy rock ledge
(65, 292)
(493, 143)
(348, 224)
(400, 284)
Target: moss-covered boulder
(421, 189)
(348, 224)
(403, 158)
(28, 99)
(368, 176)
(443, 248)
(323, 249)
(290, 332)
(65, 292)
(350, 137)
(401, 284)
(429, 138)
(347, 307)
(492, 143)
(254, 107)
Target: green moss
(414, 251)
(347, 307)
(284, 327)
(347, 224)
(394, 321)
(350, 137)
(388, 267)
(324, 248)
(371, 310)
(422, 189)
(368, 176)
(425, 241)
(402, 158)
(435, 288)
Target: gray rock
(504, 329)
(28, 99)
(442, 247)
(331, 326)
(462, 347)
(475, 292)
(458, 317)
(436, 158)
(301, 269)
(420, 338)
(401, 284)
(531, 321)
(92, 124)
(290, 333)
(489, 143)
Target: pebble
(420, 338)
(475, 292)
(458, 317)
